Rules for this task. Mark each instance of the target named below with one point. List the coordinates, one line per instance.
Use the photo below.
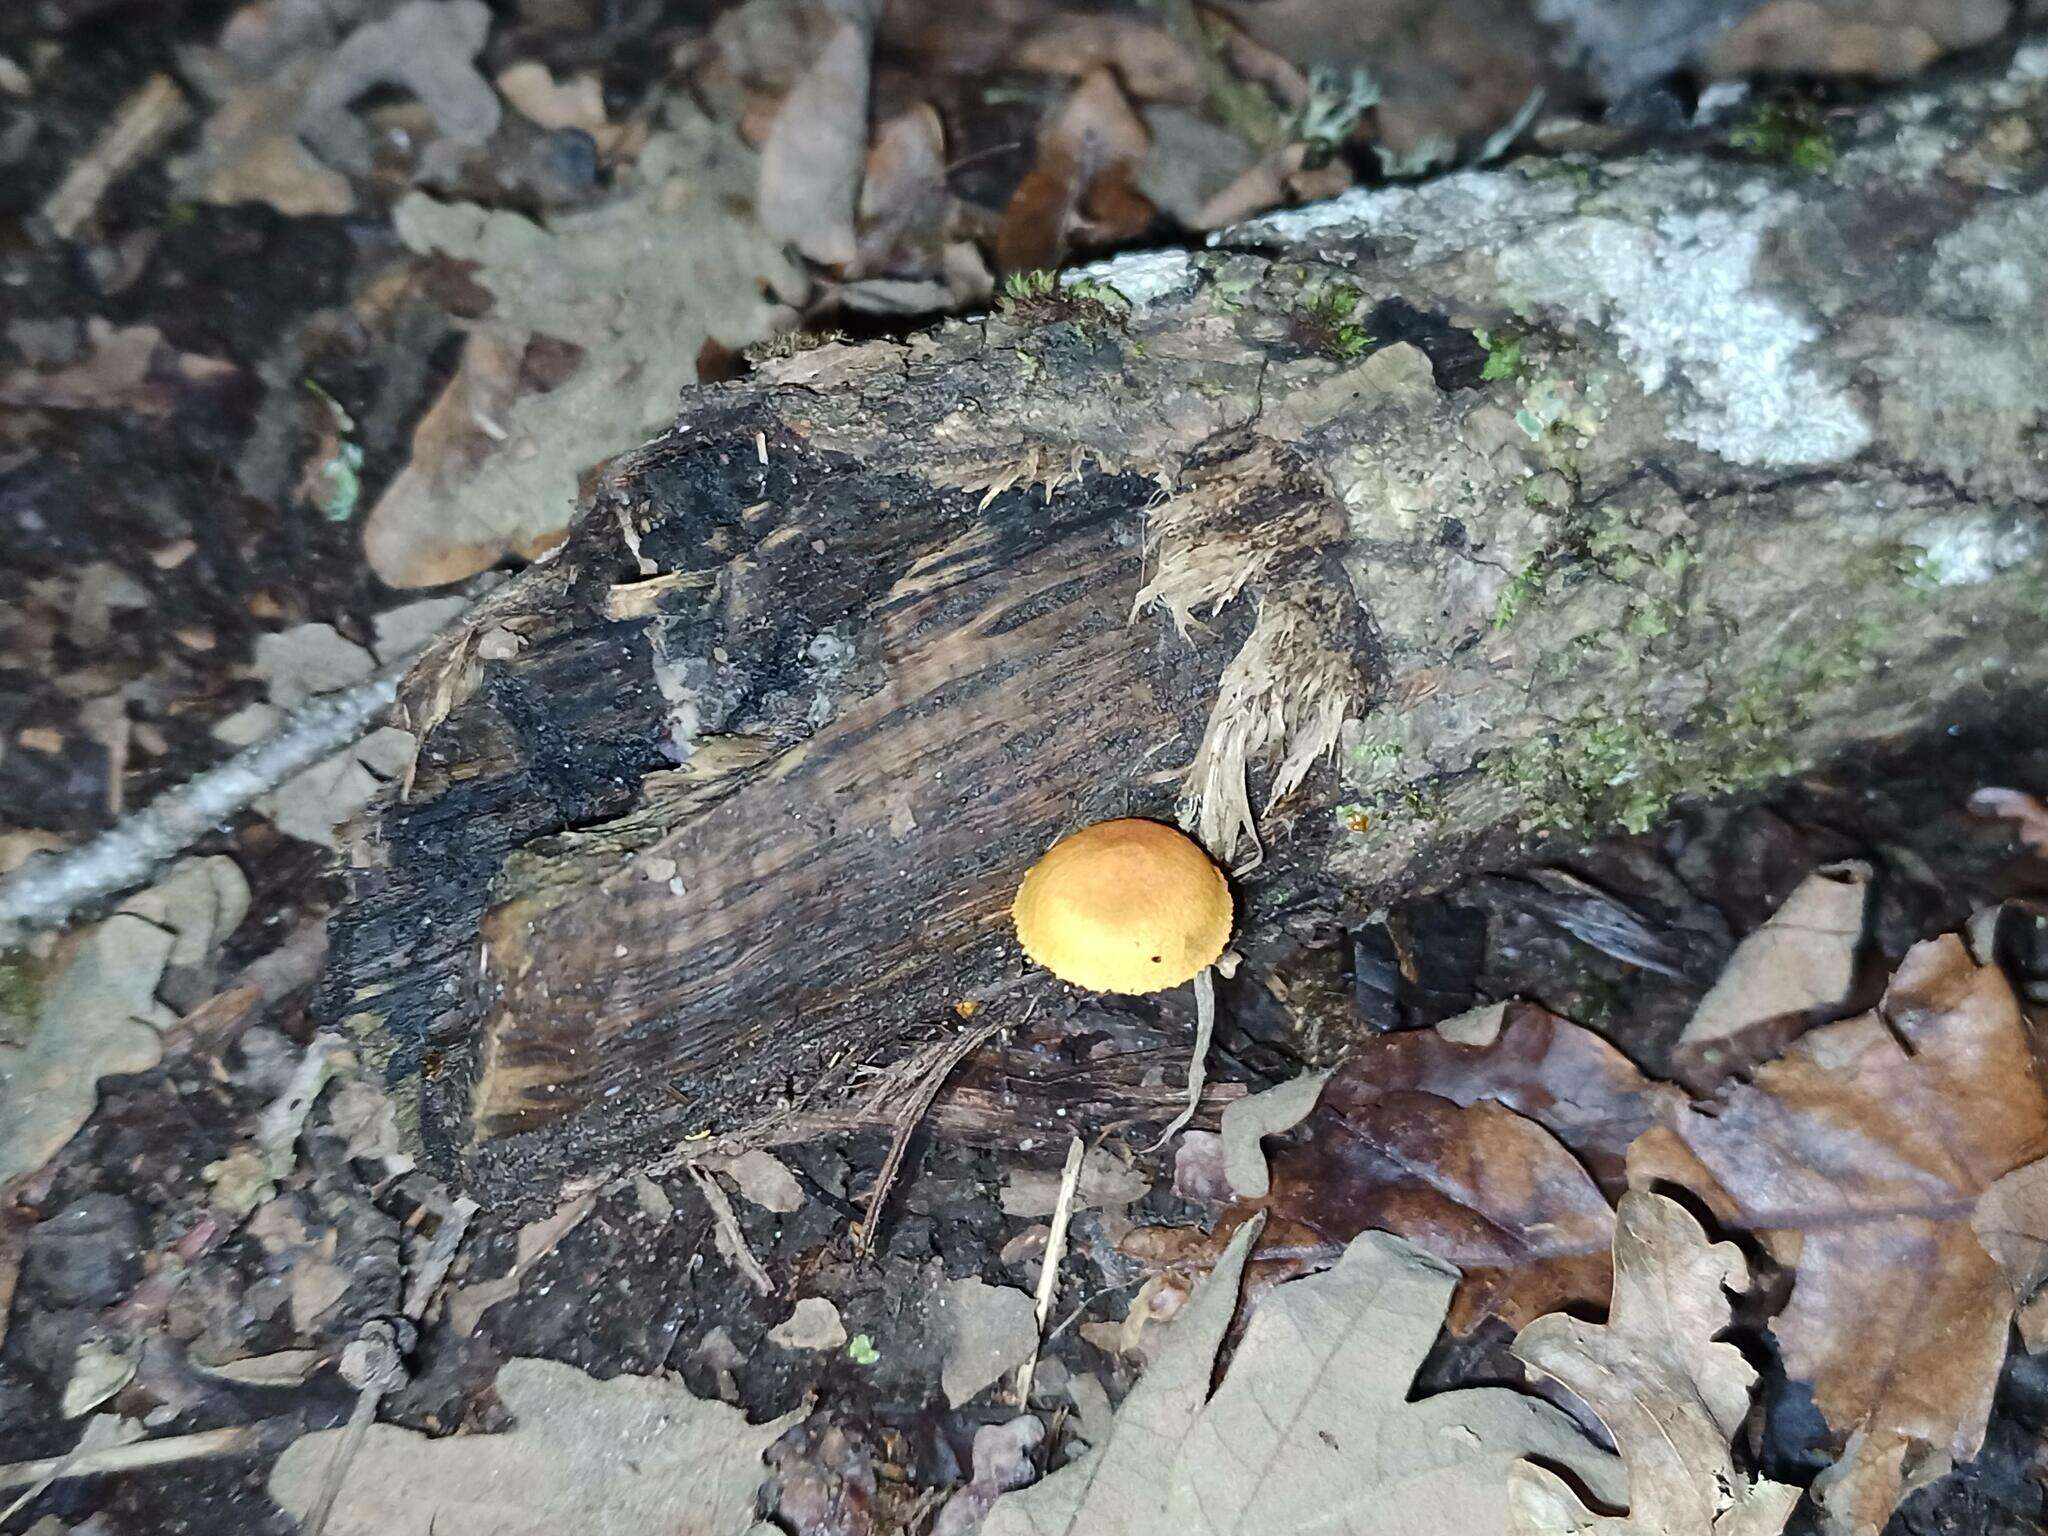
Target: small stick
(1198, 1070)
(235, 1440)
(48, 889)
(374, 1363)
(914, 1110)
(152, 114)
(735, 1242)
(1049, 1270)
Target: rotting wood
(1626, 478)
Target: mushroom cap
(1127, 906)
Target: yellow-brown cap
(1124, 906)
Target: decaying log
(1529, 498)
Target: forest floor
(315, 315)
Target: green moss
(21, 997)
(1619, 764)
(1787, 133)
(1326, 321)
(1523, 588)
(1041, 299)
(1504, 354)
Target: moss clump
(1040, 298)
(1327, 321)
(1787, 133)
(1504, 355)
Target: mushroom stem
(1205, 1026)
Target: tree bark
(1381, 532)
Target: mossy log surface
(1377, 536)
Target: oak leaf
(1859, 1156)
(1311, 1430)
(600, 1458)
(1670, 1395)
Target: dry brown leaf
(1802, 960)
(1853, 38)
(990, 1330)
(1248, 1121)
(1860, 1155)
(1088, 160)
(2011, 1221)
(1672, 1397)
(577, 102)
(130, 368)
(2027, 814)
(1151, 61)
(98, 1017)
(1477, 1149)
(1312, 1428)
(814, 1323)
(811, 162)
(904, 201)
(407, 545)
(597, 1458)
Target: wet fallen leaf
(811, 161)
(1859, 1156)
(1088, 158)
(1476, 1152)
(607, 1458)
(1559, 1074)
(1311, 1429)
(1803, 959)
(99, 1017)
(1669, 1394)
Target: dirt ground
(253, 445)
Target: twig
(235, 1440)
(731, 1239)
(375, 1363)
(1198, 1069)
(930, 1080)
(153, 113)
(1049, 1269)
(47, 890)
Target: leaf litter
(1311, 1428)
